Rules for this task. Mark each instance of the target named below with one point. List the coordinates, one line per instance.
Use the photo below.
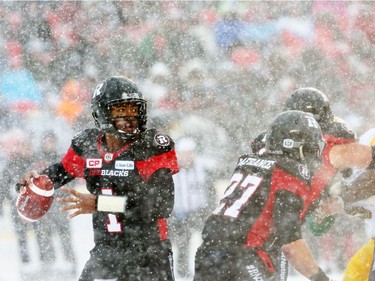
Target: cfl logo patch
(288, 143)
(108, 157)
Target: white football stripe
(41, 192)
(25, 218)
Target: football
(35, 199)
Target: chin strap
(301, 154)
(127, 136)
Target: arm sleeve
(160, 198)
(287, 209)
(71, 166)
(58, 175)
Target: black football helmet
(298, 135)
(311, 100)
(258, 143)
(116, 90)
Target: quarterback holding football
(128, 172)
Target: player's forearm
(158, 204)
(351, 155)
(362, 187)
(299, 255)
(58, 175)
(161, 194)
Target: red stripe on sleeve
(163, 229)
(149, 166)
(337, 140)
(74, 164)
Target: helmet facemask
(123, 120)
(312, 156)
(298, 135)
(114, 91)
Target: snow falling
(214, 74)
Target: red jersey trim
(163, 229)
(103, 153)
(266, 260)
(264, 224)
(337, 140)
(74, 164)
(149, 166)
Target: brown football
(35, 199)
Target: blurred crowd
(216, 71)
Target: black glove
(18, 187)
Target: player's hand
(79, 202)
(358, 212)
(26, 179)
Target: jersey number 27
(247, 186)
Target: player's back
(244, 216)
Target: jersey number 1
(112, 225)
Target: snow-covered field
(11, 269)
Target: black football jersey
(123, 173)
(250, 211)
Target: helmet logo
(130, 96)
(98, 91)
(312, 123)
(288, 143)
(161, 140)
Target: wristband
(372, 163)
(319, 276)
(112, 204)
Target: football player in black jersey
(257, 225)
(128, 171)
(341, 152)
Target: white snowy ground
(11, 269)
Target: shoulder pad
(255, 161)
(152, 143)
(340, 129)
(158, 140)
(295, 168)
(84, 140)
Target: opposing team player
(257, 225)
(128, 171)
(357, 193)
